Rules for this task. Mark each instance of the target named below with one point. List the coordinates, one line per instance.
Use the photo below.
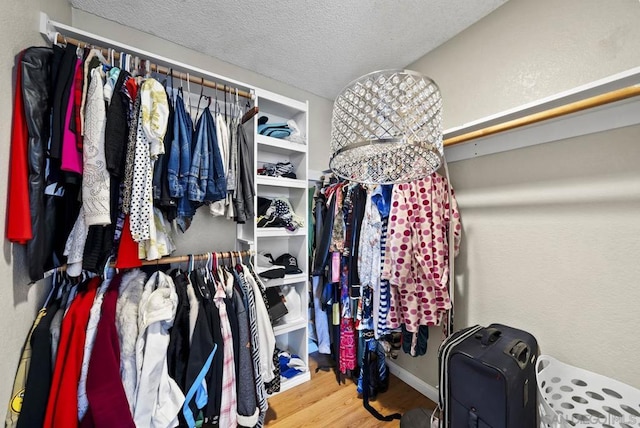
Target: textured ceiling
(319, 46)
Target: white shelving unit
(291, 334)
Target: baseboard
(413, 381)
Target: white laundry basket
(572, 397)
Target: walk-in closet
(389, 214)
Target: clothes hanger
(54, 288)
(217, 106)
(55, 39)
(79, 50)
(148, 67)
(180, 91)
(237, 106)
(198, 112)
(202, 286)
(225, 104)
(189, 95)
(157, 282)
(173, 95)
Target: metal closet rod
(574, 107)
(61, 39)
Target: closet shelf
(263, 180)
(279, 146)
(288, 279)
(286, 384)
(246, 241)
(279, 105)
(278, 232)
(287, 327)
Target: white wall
(561, 259)
(319, 108)
(19, 301)
(530, 49)
(567, 272)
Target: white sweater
(95, 180)
(158, 397)
(127, 306)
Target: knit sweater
(96, 181)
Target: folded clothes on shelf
(280, 169)
(278, 212)
(290, 365)
(296, 135)
(275, 130)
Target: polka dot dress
(141, 201)
(152, 125)
(416, 258)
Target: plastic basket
(572, 397)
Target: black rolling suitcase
(487, 378)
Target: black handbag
(277, 308)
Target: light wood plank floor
(323, 403)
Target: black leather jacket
(36, 89)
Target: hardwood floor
(323, 403)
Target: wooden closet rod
(158, 68)
(574, 107)
(174, 259)
(199, 257)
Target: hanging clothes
(38, 382)
(91, 330)
(381, 196)
(62, 407)
(248, 410)
(250, 303)
(416, 260)
(178, 348)
(243, 197)
(220, 207)
(228, 403)
(20, 381)
(71, 157)
(180, 163)
(107, 404)
(61, 94)
(96, 180)
(152, 125)
(158, 397)
(201, 354)
(127, 307)
(18, 216)
(36, 87)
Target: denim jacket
(216, 189)
(179, 164)
(200, 160)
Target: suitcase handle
(520, 352)
(488, 335)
